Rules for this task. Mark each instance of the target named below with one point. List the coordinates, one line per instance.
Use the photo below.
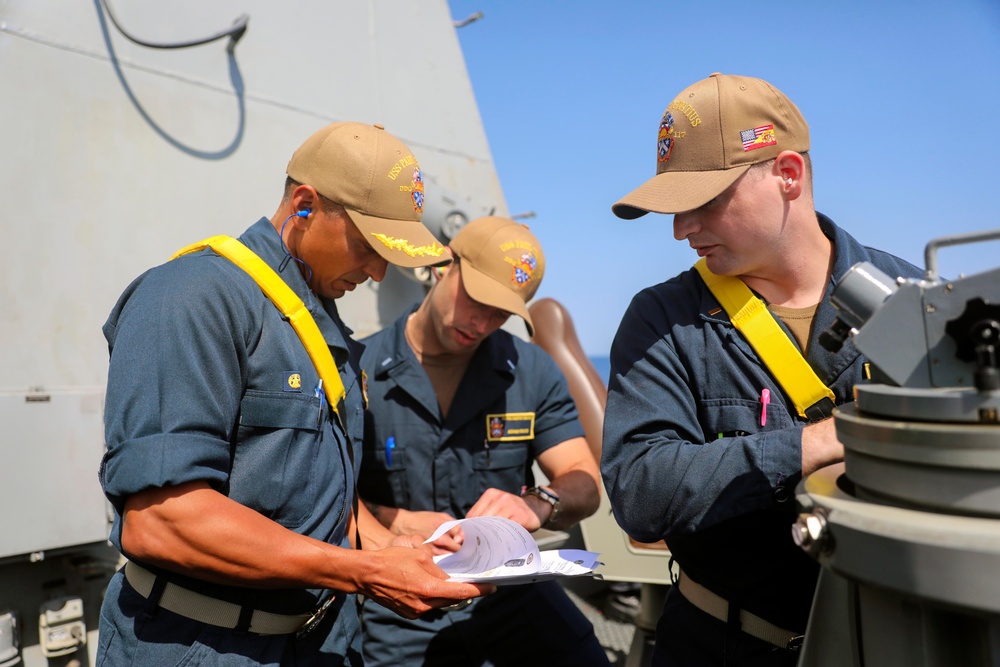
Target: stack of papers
(502, 552)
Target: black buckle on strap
(820, 410)
(795, 643)
(315, 619)
(245, 619)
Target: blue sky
(902, 99)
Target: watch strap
(548, 496)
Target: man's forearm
(194, 530)
(383, 513)
(579, 497)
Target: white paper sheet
(502, 552)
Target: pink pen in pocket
(765, 398)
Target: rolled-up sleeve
(177, 354)
(556, 417)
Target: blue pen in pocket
(321, 395)
(390, 444)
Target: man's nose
(481, 319)
(685, 224)
(376, 268)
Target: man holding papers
(500, 551)
(459, 411)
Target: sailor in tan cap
(460, 410)
(234, 418)
(372, 184)
(705, 438)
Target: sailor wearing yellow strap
(733, 169)
(222, 449)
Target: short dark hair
(328, 205)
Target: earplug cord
(288, 255)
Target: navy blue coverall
(687, 459)
(512, 404)
(208, 382)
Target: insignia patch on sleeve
(293, 382)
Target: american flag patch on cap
(758, 137)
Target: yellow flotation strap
(813, 399)
(285, 300)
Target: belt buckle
(795, 643)
(315, 619)
(458, 605)
(818, 411)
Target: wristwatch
(548, 496)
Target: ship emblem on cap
(525, 266)
(417, 193)
(664, 140)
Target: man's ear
(790, 167)
(304, 200)
(439, 271)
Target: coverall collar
(492, 367)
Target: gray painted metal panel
(115, 155)
(48, 483)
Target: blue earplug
(304, 213)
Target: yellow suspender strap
(285, 300)
(752, 319)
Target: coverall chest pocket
(280, 460)
(734, 417)
(384, 465)
(503, 465)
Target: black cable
(234, 33)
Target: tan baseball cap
(502, 264)
(710, 135)
(375, 177)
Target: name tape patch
(510, 426)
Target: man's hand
(449, 542)
(419, 523)
(495, 502)
(820, 446)
(408, 582)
